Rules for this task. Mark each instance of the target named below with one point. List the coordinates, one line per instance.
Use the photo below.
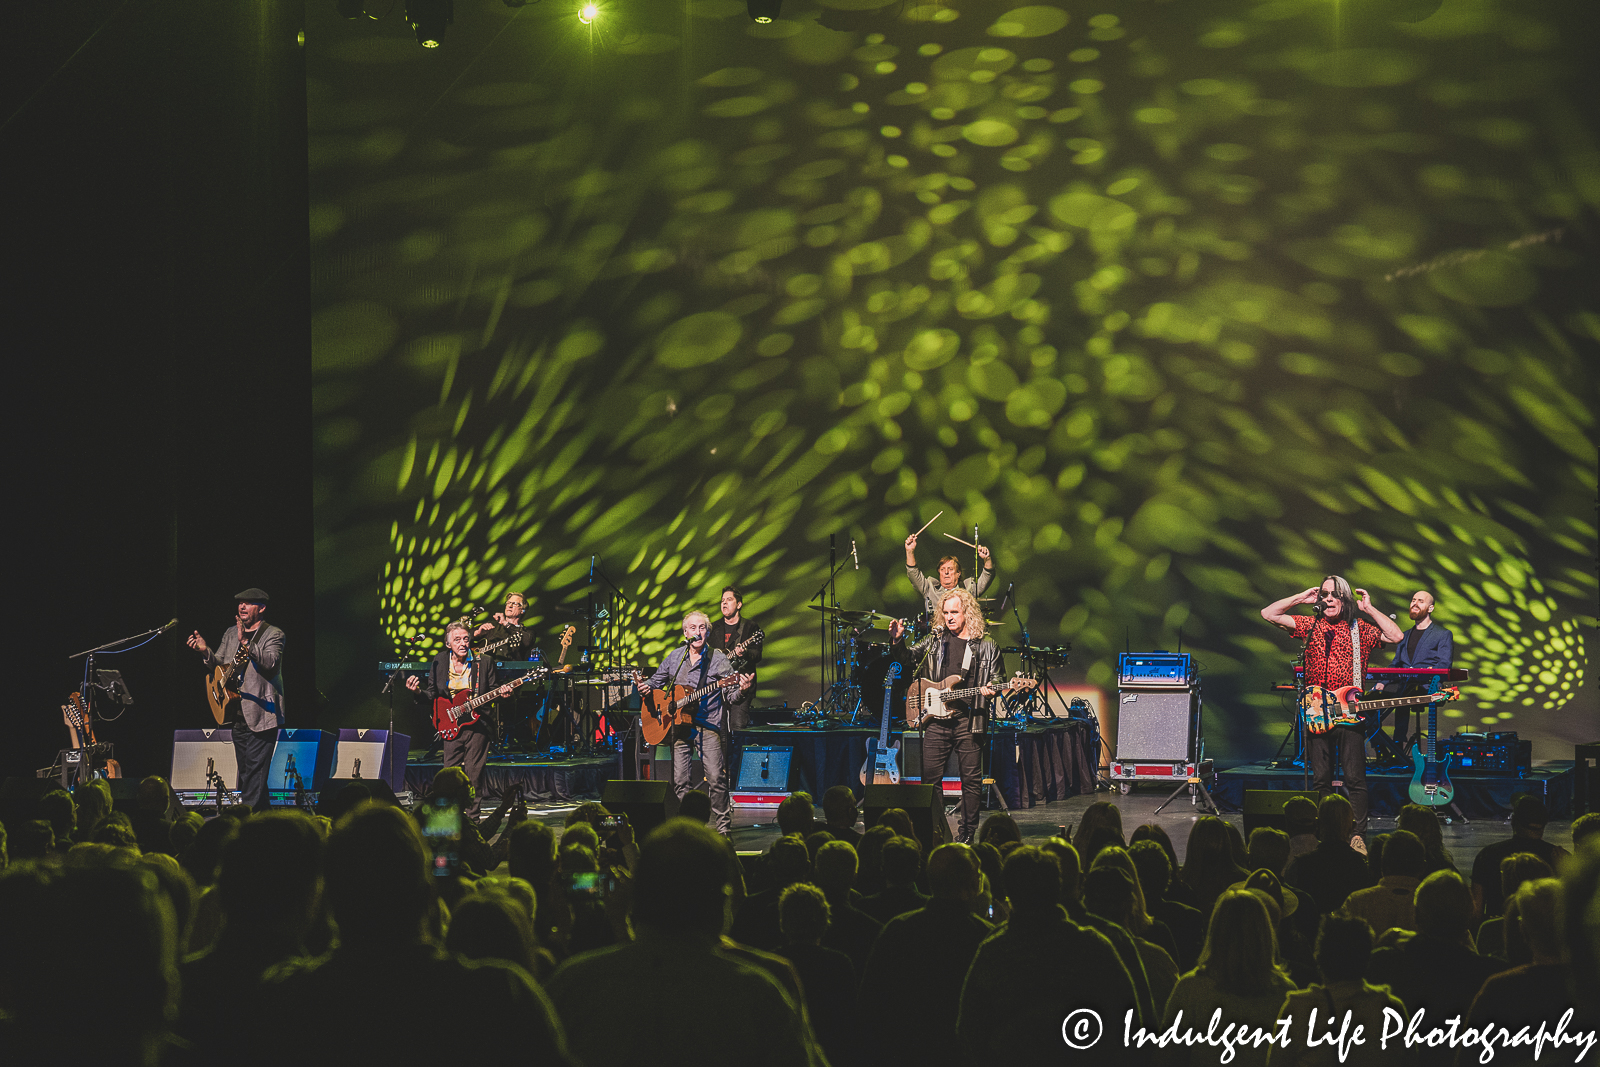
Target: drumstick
(928, 524)
(958, 540)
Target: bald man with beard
(1426, 644)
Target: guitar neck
(1395, 702)
(698, 693)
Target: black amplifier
(1497, 755)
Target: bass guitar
(882, 765)
(927, 699)
(1430, 777)
(450, 714)
(222, 684)
(1323, 709)
(662, 710)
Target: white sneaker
(1358, 843)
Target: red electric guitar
(450, 714)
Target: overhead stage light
(588, 13)
(763, 11)
(429, 18)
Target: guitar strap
(1355, 654)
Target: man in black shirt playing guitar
(961, 657)
(726, 635)
(505, 637)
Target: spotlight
(429, 18)
(763, 11)
(588, 13)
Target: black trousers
(253, 751)
(1345, 745)
(468, 750)
(939, 738)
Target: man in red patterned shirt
(1334, 660)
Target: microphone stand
(87, 655)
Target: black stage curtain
(1033, 766)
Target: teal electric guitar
(1430, 779)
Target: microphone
(853, 556)
(356, 773)
(591, 570)
(168, 626)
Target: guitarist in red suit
(1333, 659)
(453, 670)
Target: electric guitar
(1323, 709)
(222, 684)
(929, 699)
(566, 644)
(736, 657)
(662, 710)
(450, 714)
(882, 766)
(1430, 779)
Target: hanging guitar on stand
(882, 765)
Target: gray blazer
(930, 588)
(261, 693)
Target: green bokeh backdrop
(1184, 304)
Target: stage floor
(1478, 798)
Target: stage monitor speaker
(764, 768)
(924, 803)
(308, 752)
(1157, 725)
(371, 754)
(193, 751)
(332, 801)
(1264, 807)
(644, 803)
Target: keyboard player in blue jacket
(1426, 644)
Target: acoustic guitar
(450, 714)
(661, 711)
(1323, 709)
(80, 732)
(222, 684)
(882, 765)
(927, 699)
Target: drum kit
(863, 654)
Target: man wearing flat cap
(259, 713)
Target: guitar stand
(1197, 790)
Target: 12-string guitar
(450, 714)
(662, 710)
(882, 766)
(80, 730)
(1323, 709)
(927, 699)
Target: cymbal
(847, 614)
(580, 612)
